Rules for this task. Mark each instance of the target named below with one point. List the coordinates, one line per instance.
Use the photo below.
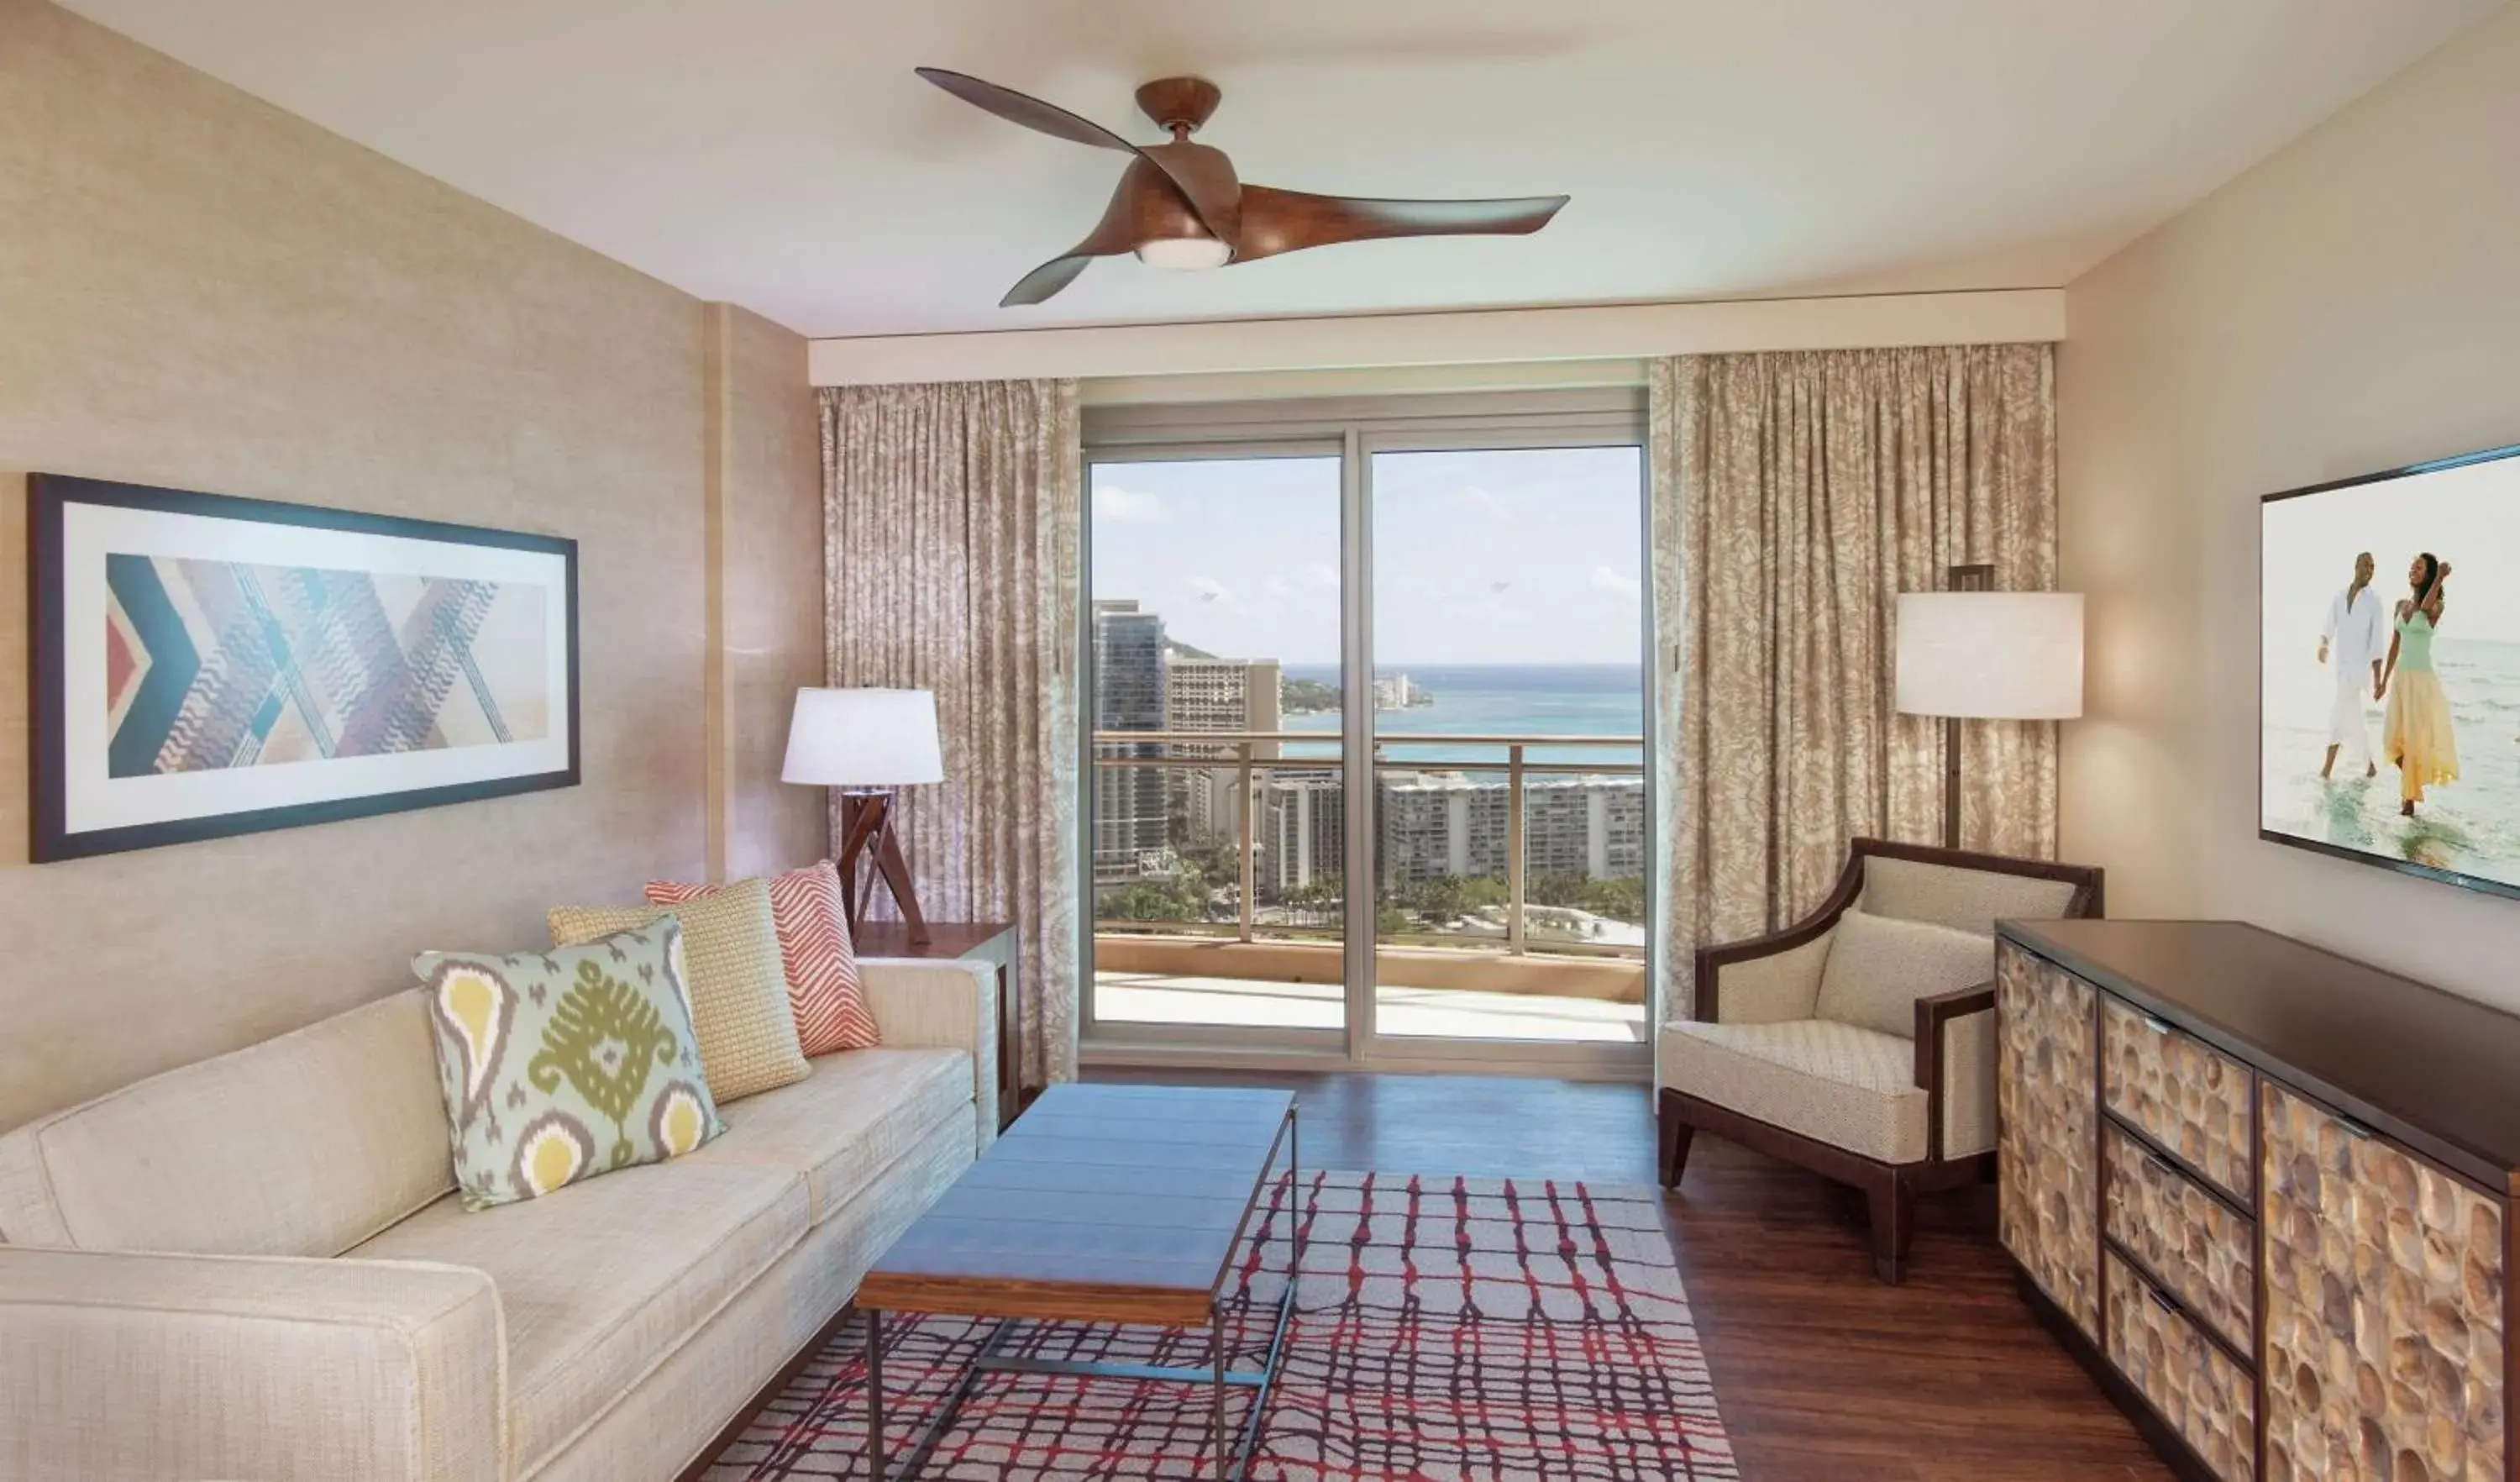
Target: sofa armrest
(1956, 1068)
(117, 1365)
(941, 1004)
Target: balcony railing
(1251, 755)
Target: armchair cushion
(1878, 966)
(1839, 1084)
(1958, 897)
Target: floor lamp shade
(1991, 656)
(864, 738)
(1971, 653)
(865, 742)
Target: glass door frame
(1355, 428)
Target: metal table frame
(1232, 1459)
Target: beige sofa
(254, 1267)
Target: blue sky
(1515, 557)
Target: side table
(991, 942)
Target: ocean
(1499, 699)
(2471, 826)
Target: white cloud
(1318, 574)
(1607, 580)
(1117, 505)
(1485, 500)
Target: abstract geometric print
(1446, 1330)
(214, 665)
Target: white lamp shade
(864, 738)
(1991, 656)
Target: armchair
(1859, 1042)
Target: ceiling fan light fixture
(1184, 255)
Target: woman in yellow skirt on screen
(2417, 738)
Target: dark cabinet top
(2436, 1071)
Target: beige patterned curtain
(1795, 495)
(950, 531)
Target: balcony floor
(1154, 997)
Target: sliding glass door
(1368, 711)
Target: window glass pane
(1216, 612)
(1508, 644)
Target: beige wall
(767, 450)
(197, 290)
(2350, 304)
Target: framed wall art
(205, 667)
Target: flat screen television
(2389, 710)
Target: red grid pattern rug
(1448, 1330)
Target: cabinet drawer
(2203, 1251)
(2194, 1386)
(2384, 1305)
(2187, 1096)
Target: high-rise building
(1129, 815)
(1218, 695)
(1446, 822)
(1302, 830)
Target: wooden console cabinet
(2265, 1194)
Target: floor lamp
(868, 743)
(1975, 654)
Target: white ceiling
(779, 154)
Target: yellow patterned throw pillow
(561, 1066)
(739, 985)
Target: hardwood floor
(1823, 1372)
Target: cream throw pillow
(1880, 966)
(738, 988)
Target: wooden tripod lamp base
(866, 827)
(867, 743)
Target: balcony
(1509, 900)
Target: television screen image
(2389, 669)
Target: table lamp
(1980, 654)
(867, 743)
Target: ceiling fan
(1181, 205)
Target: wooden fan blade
(1033, 113)
(1046, 280)
(1278, 222)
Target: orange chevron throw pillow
(824, 990)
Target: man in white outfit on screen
(2353, 646)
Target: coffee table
(1117, 1204)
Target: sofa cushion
(300, 1146)
(1878, 967)
(739, 986)
(824, 993)
(601, 1281)
(846, 1121)
(1838, 1084)
(1965, 900)
(557, 1066)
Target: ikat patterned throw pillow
(561, 1066)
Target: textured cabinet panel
(2205, 1254)
(2206, 1398)
(2384, 1345)
(2045, 1072)
(2187, 1096)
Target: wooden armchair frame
(1890, 1190)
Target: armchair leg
(1893, 1202)
(1673, 1137)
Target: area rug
(1446, 1330)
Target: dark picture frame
(2480, 884)
(55, 835)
